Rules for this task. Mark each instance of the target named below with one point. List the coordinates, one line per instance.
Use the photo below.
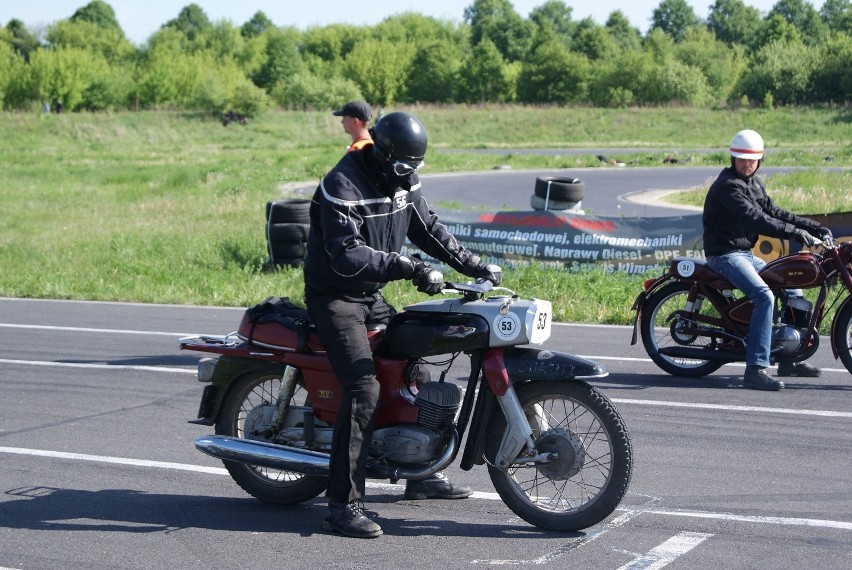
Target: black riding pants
(341, 324)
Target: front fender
(533, 364)
(228, 369)
(835, 324)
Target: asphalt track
(98, 470)
(610, 191)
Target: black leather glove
(489, 272)
(804, 237)
(825, 234)
(425, 278)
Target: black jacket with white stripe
(359, 223)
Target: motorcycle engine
(786, 338)
(437, 404)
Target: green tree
(109, 42)
(434, 73)
(282, 58)
(332, 43)
(775, 29)
(224, 87)
(256, 25)
(63, 74)
(837, 15)
(168, 75)
(832, 78)
(498, 22)
(379, 67)
(557, 15)
(594, 41)
(733, 22)
(22, 41)
(191, 20)
(98, 13)
(782, 70)
(674, 17)
(552, 74)
(721, 64)
(625, 35)
(485, 77)
(306, 91)
(803, 17)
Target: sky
(140, 19)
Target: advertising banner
(571, 242)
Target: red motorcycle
(557, 451)
(692, 321)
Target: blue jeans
(740, 268)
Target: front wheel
(589, 478)
(660, 329)
(843, 335)
(246, 400)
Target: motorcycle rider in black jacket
(361, 214)
(736, 211)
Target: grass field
(168, 207)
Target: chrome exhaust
(264, 454)
(309, 462)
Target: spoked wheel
(589, 477)
(843, 336)
(660, 331)
(249, 404)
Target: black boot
(349, 520)
(757, 378)
(798, 369)
(435, 487)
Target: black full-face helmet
(400, 139)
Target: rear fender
(639, 303)
(228, 369)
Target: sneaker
(798, 369)
(349, 520)
(756, 378)
(435, 487)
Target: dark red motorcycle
(557, 451)
(692, 320)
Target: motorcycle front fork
(518, 445)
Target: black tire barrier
(560, 189)
(539, 203)
(287, 232)
(288, 212)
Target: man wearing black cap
(356, 117)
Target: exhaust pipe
(702, 353)
(264, 454)
(309, 462)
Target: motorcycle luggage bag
(279, 324)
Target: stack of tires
(558, 193)
(287, 223)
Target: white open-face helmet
(747, 144)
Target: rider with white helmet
(736, 211)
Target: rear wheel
(660, 330)
(589, 478)
(250, 398)
(843, 335)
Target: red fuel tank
(798, 271)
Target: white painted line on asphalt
(667, 552)
(99, 366)
(479, 495)
(115, 460)
(662, 403)
(91, 330)
(731, 408)
(589, 536)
